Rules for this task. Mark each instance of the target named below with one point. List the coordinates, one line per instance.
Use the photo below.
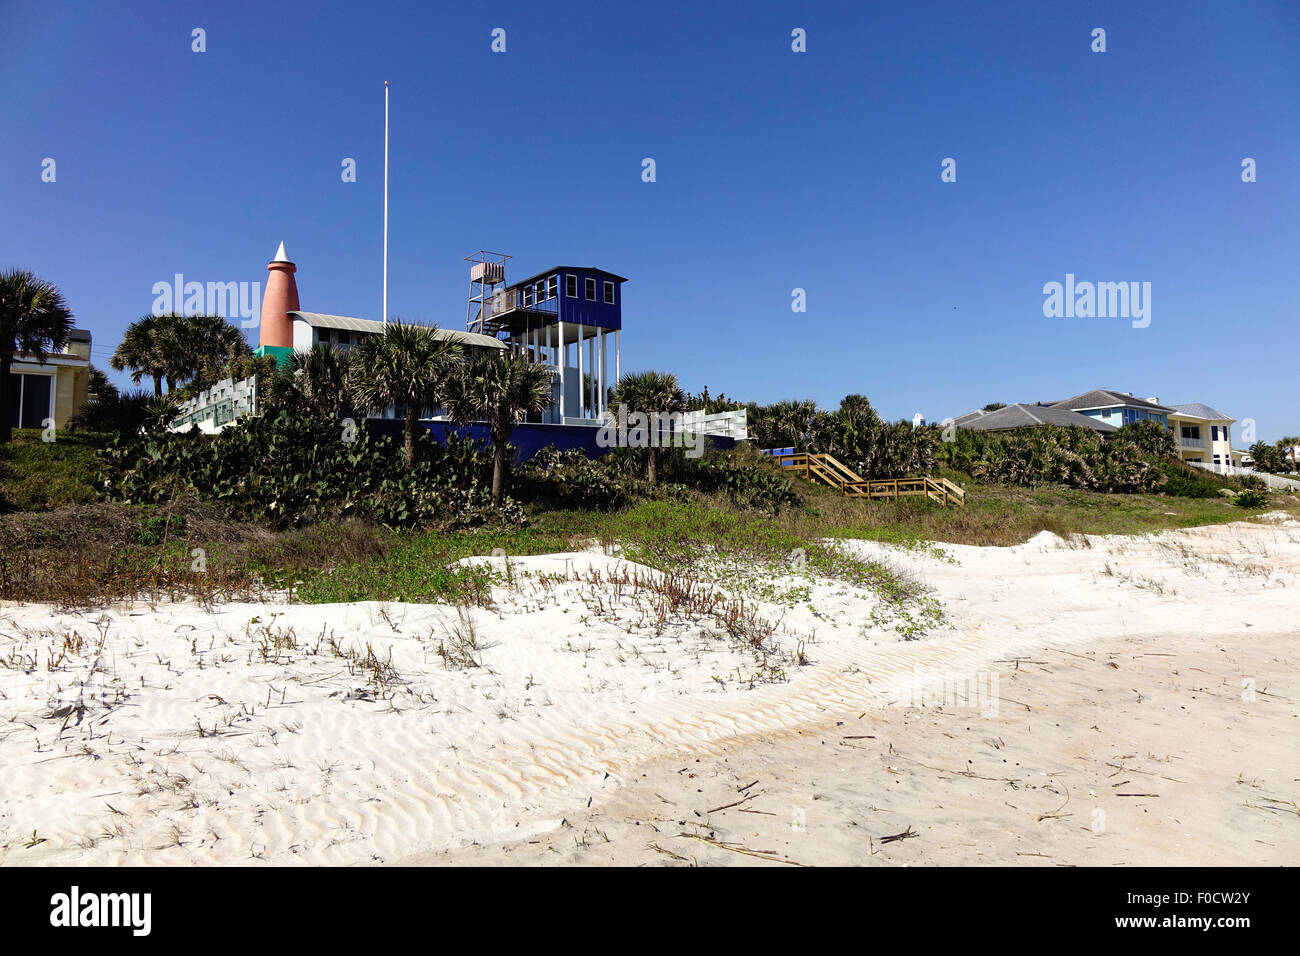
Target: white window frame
(22, 392)
(609, 292)
(568, 276)
(528, 295)
(552, 284)
(589, 283)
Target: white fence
(734, 424)
(1276, 482)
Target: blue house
(563, 318)
(1116, 408)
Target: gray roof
(1197, 410)
(318, 320)
(1105, 398)
(1029, 416)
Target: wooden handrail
(835, 473)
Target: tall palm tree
(207, 344)
(406, 365)
(316, 379)
(499, 389)
(34, 319)
(149, 348)
(653, 393)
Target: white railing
(218, 406)
(1277, 482)
(733, 424)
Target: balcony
(512, 310)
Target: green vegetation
(498, 389)
(179, 348)
(653, 394)
(36, 475)
(1278, 458)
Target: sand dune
(341, 735)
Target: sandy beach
(1094, 701)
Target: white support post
(604, 372)
(561, 329)
(618, 366)
(582, 389)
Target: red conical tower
(279, 299)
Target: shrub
(571, 480)
(293, 469)
(1251, 499)
(1182, 482)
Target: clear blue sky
(775, 170)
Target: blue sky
(775, 170)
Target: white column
(582, 390)
(618, 367)
(604, 371)
(561, 327)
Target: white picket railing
(1277, 482)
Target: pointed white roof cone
(281, 255)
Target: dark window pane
(36, 400)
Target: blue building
(1116, 408)
(568, 318)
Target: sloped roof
(1197, 410)
(1105, 398)
(318, 320)
(554, 269)
(1028, 416)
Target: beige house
(53, 390)
(1204, 435)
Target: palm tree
(34, 319)
(499, 389)
(207, 344)
(149, 349)
(405, 365)
(316, 379)
(652, 393)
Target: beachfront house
(53, 390)
(1116, 408)
(1204, 435)
(1013, 417)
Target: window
(1214, 436)
(1192, 431)
(590, 288)
(344, 338)
(551, 283)
(29, 400)
(528, 295)
(571, 286)
(609, 292)
(539, 291)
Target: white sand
(192, 739)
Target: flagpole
(385, 306)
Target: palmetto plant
(315, 380)
(176, 348)
(207, 345)
(652, 393)
(34, 319)
(406, 365)
(150, 348)
(498, 389)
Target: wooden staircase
(835, 473)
